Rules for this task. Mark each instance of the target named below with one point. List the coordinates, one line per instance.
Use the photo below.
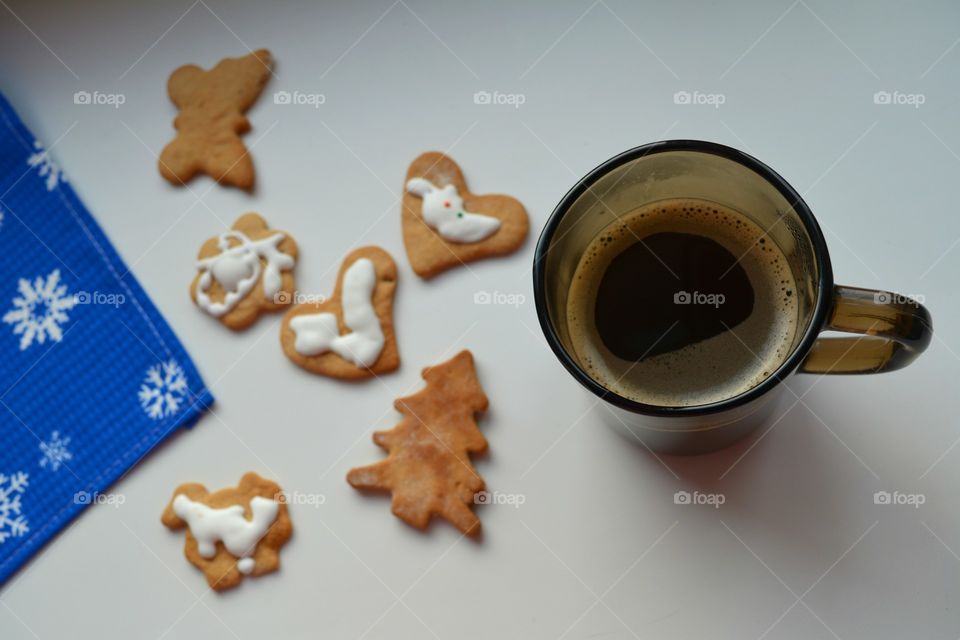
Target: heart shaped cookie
(350, 335)
(444, 225)
(244, 272)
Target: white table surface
(598, 548)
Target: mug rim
(823, 303)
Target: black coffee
(682, 302)
(662, 315)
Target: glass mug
(892, 330)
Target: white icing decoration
(443, 210)
(318, 332)
(228, 525)
(238, 268)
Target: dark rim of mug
(824, 289)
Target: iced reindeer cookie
(233, 532)
(350, 335)
(245, 271)
(212, 104)
(444, 225)
(428, 469)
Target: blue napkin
(91, 376)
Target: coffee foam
(711, 370)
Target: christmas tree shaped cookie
(428, 469)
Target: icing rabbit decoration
(237, 268)
(443, 210)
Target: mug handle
(895, 330)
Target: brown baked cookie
(245, 271)
(350, 335)
(212, 104)
(428, 469)
(444, 225)
(233, 532)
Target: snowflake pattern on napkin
(91, 375)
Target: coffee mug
(892, 330)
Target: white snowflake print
(46, 168)
(55, 451)
(163, 390)
(40, 309)
(13, 523)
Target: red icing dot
(446, 203)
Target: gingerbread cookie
(234, 532)
(444, 225)
(428, 469)
(245, 271)
(212, 104)
(350, 335)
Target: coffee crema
(682, 302)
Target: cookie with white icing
(349, 335)
(245, 271)
(234, 532)
(445, 225)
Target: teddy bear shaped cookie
(212, 104)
